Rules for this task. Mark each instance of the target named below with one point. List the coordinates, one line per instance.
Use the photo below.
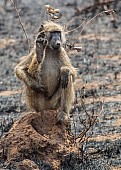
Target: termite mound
(36, 137)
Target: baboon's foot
(62, 117)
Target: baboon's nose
(58, 44)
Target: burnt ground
(99, 75)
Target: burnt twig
(103, 12)
(15, 8)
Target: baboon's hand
(36, 87)
(65, 73)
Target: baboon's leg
(67, 99)
(64, 97)
(35, 101)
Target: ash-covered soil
(99, 74)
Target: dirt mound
(27, 164)
(36, 137)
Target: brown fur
(43, 79)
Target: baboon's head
(52, 34)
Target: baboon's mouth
(55, 48)
(55, 45)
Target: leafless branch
(15, 8)
(103, 12)
(89, 121)
(78, 26)
(94, 6)
(83, 133)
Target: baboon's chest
(50, 74)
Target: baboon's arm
(64, 80)
(65, 73)
(21, 71)
(67, 66)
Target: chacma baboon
(47, 73)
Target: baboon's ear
(41, 28)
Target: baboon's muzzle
(55, 44)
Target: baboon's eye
(55, 33)
(59, 33)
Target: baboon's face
(55, 41)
